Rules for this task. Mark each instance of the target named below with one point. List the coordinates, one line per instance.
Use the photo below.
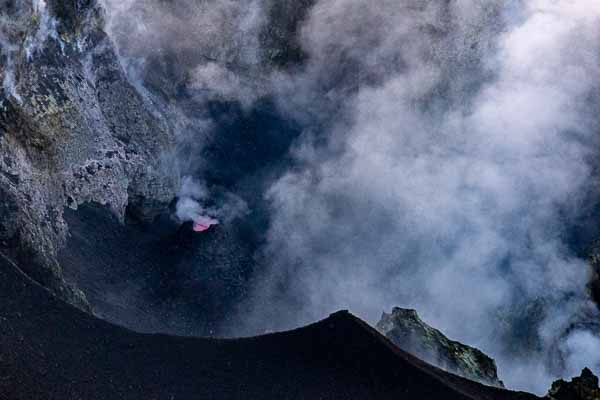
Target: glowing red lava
(202, 224)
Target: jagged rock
(405, 329)
(72, 130)
(584, 387)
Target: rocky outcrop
(405, 329)
(584, 387)
(72, 130)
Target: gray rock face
(405, 329)
(72, 130)
(584, 387)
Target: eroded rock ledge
(405, 329)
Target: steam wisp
(46, 28)
(189, 206)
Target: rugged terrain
(406, 330)
(72, 130)
(50, 350)
(104, 131)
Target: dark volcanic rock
(584, 387)
(50, 350)
(404, 328)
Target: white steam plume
(216, 44)
(456, 139)
(458, 149)
(196, 204)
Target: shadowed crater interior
(156, 277)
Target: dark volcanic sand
(50, 350)
(158, 277)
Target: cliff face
(405, 329)
(72, 130)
